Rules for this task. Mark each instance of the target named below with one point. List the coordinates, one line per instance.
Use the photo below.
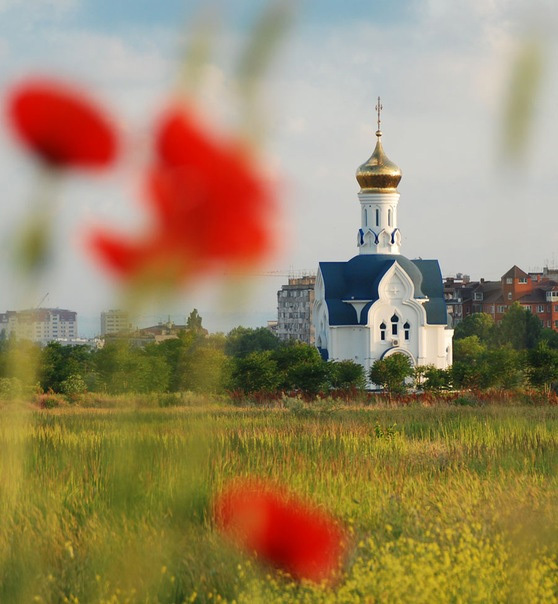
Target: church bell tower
(378, 178)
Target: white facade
(395, 322)
(40, 325)
(379, 233)
(381, 303)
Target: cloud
(442, 76)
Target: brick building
(537, 292)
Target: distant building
(41, 325)
(115, 321)
(295, 302)
(169, 328)
(536, 292)
(154, 334)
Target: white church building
(381, 303)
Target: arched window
(377, 217)
(394, 324)
(382, 331)
(365, 217)
(389, 217)
(407, 329)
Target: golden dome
(379, 173)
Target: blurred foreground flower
(64, 130)
(212, 209)
(61, 126)
(291, 534)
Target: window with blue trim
(394, 324)
(382, 331)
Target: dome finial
(378, 174)
(379, 108)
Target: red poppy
(211, 208)
(61, 126)
(291, 534)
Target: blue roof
(359, 278)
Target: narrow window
(377, 217)
(389, 217)
(365, 217)
(382, 331)
(407, 329)
(394, 322)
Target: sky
(442, 69)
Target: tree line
(245, 360)
(515, 353)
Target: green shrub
(10, 388)
(170, 399)
(50, 400)
(73, 387)
(466, 401)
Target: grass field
(443, 503)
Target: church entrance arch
(397, 350)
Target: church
(380, 303)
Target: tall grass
(443, 503)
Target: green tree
(542, 366)
(73, 387)
(503, 368)
(292, 352)
(57, 363)
(468, 369)
(311, 377)
(518, 328)
(207, 370)
(289, 357)
(172, 351)
(180, 354)
(391, 373)
(347, 374)
(434, 379)
(241, 341)
(254, 373)
(478, 324)
(123, 368)
(194, 322)
(549, 336)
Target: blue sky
(143, 13)
(442, 69)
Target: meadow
(443, 503)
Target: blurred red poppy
(61, 126)
(291, 534)
(211, 208)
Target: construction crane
(285, 273)
(42, 300)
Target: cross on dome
(379, 108)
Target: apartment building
(115, 321)
(41, 325)
(295, 303)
